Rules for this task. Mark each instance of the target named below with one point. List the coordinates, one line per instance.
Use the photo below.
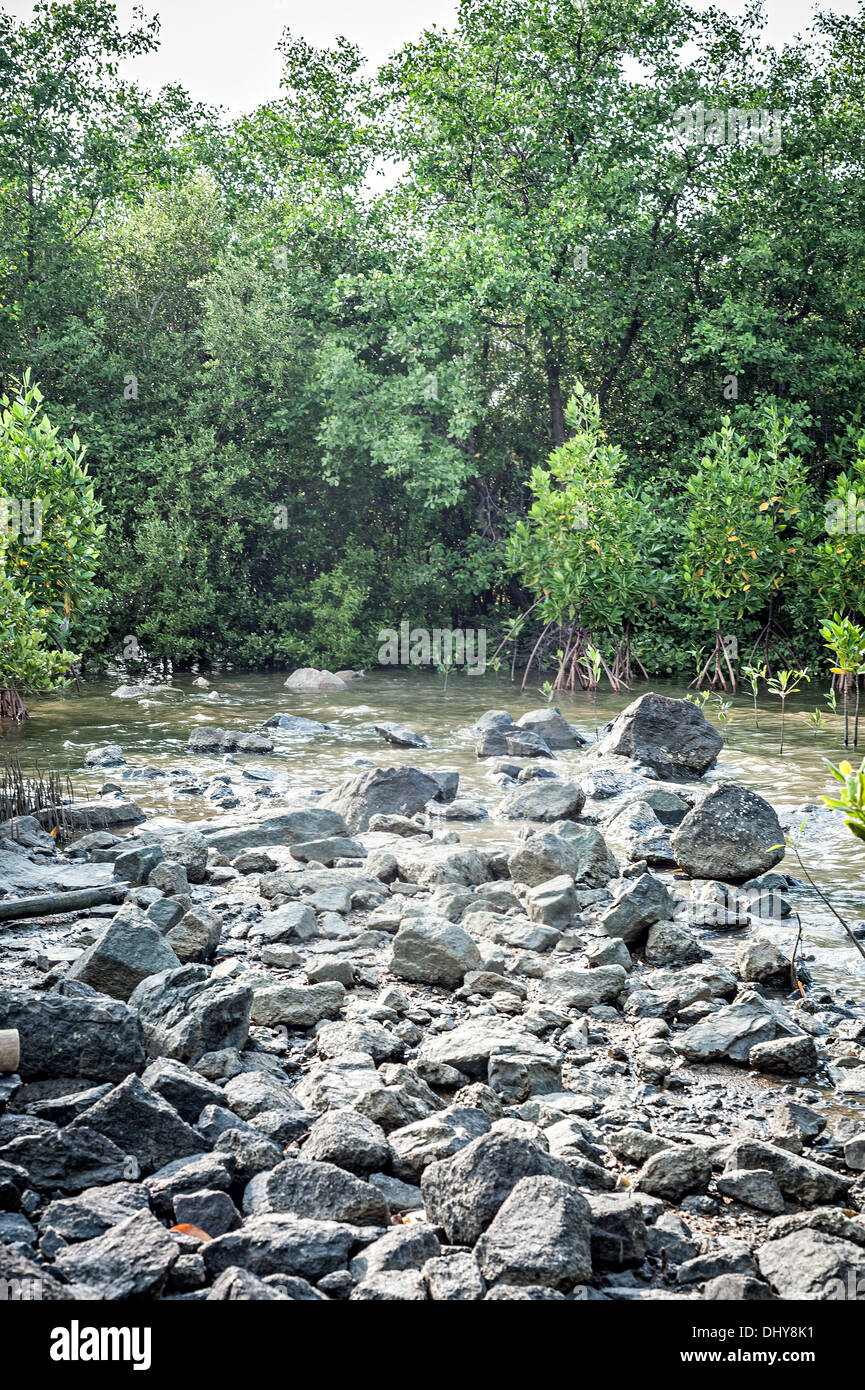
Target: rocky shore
(329, 1046)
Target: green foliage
(48, 545)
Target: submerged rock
(731, 834)
(672, 737)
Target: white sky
(223, 51)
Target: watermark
(731, 387)
(26, 1290)
(77, 1343)
(729, 126)
(21, 517)
(130, 387)
(418, 646)
(581, 258)
(845, 515)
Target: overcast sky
(223, 51)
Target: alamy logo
(730, 126)
(20, 1290)
(21, 516)
(77, 1343)
(418, 646)
(845, 515)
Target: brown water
(154, 732)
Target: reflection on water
(154, 732)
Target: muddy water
(154, 732)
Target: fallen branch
(52, 904)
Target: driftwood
(52, 904)
(10, 1050)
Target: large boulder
(401, 791)
(499, 737)
(90, 1036)
(732, 1031)
(539, 1235)
(433, 951)
(309, 678)
(544, 801)
(230, 835)
(184, 1014)
(463, 1193)
(550, 725)
(672, 737)
(813, 1266)
(731, 834)
(125, 953)
(580, 851)
(143, 1123)
(640, 903)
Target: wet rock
(134, 865)
(399, 735)
(672, 943)
(309, 678)
(433, 951)
(382, 791)
(539, 1235)
(499, 737)
(810, 1183)
(760, 961)
(183, 1014)
(729, 835)
(230, 835)
(672, 737)
(63, 1036)
(550, 725)
(109, 755)
(294, 724)
(544, 801)
(209, 739)
(785, 1056)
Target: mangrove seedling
(846, 643)
(784, 684)
(754, 675)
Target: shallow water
(154, 732)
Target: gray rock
(672, 943)
(554, 903)
(550, 725)
(132, 1260)
(62, 1036)
(544, 801)
(785, 1056)
(730, 1032)
(124, 954)
(811, 1265)
(93, 1212)
(348, 1139)
(674, 1172)
(282, 1244)
(140, 1122)
(755, 1188)
(433, 951)
(810, 1183)
(68, 1160)
(401, 1286)
(463, 1193)
(183, 1014)
(134, 865)
(297, 1006)
(731, 834)
(760, 961)
(294, 724)
(382, 791)
(672, 737)
(415, 1146)
(399, 735)
(109, 755)
(640, 903)
(618, 1232)
(323, 1191)
(211, 1211)
(195, 937)
(454, 1278)
(578, 851)
(186, 1090)
(403, 1247)
(539, 1235)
